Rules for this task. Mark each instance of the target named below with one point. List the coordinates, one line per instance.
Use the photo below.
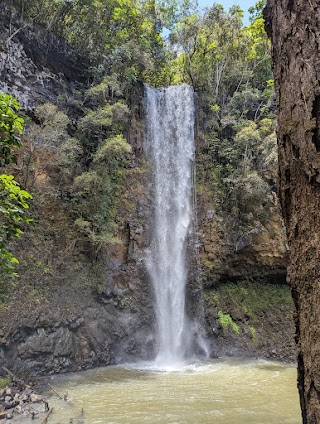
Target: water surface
(219, 392)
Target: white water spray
(170, 146)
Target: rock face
(57, 342)
(69, 314)
(294, 30)
(78, 314)
(246, 318)
(35, 66)
(243, 276)
(260, 254)
(86, 316)
(82, 315)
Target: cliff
(72, 308)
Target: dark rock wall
(225, 255)
(238, 272)
(69, 314)
(35, 66)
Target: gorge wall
(74, 307)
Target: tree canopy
(227, 63)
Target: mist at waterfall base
(170, 147)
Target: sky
(244, 4)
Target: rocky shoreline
(21, 399)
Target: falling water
(170, 146)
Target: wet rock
(36, 398)
(25, 398)
(10, 404)
(18, 409)
(22, 396)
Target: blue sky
(244, 4)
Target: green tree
(256, 10)
(96, 194)
(13, 200)
(230, 67)
(123, 37)
(13, 213)
(10, 128)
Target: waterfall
(169, 144)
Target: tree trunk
(294, 29)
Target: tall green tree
(13, 200)
(10, 129)
(229, 65)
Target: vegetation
(249, 304)
(84, 135)
(4, 381)
(230, 67)
(13, 205)
(253, 332)
(225, 321)
(89, 166)
(13, 200)
(120, 37)
(10, 129)
(96, 193)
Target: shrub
(226, 321)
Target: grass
(225, 321)
(4, 381)
(253, 332)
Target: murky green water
(220, 392)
